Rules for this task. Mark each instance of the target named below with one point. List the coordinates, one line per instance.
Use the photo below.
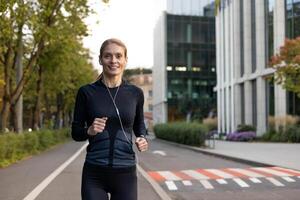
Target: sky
(132, 21)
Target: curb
(223, 156)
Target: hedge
(15, 147)
(182, 132)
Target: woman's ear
(99, 58)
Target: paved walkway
(279, 154)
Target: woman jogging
(106, 113)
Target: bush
(290, 133)
(14, 147)
(182, 132)
(245, 128)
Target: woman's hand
(141, 144)
(97, 126)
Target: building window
(150, 93)
(253, 34)
(270, 28)
(150, 107)
(254, 103)
(292, 18)
(241, 36)
(242, 104)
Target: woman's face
(113, 60)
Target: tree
(35, 23)
(287, 65)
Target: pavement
(258, 153)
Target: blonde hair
(108, 42)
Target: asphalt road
(181, 173)
(220, 178)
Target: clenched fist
(141, 143)
(97, 126)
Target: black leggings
(97, 183)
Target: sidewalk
(279, 154)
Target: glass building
(184, 70)
(248, 33)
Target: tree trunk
(37, 106)
(18, 107)
(58, 116)
(5, 115)
(8, 62)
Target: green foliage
(15, 147)
(290, 134)
(287, 65)
(57, 27)
(181, 132)
(245, 128)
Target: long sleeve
(139, 124)
(79, 129)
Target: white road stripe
(288, 179)
(206, 184)
(187, 183)
(240, 182)
(38, 189)
(221, 181)
(247, 172)
(171, 185)
(195, 175)
(298, 176)
(271, 171)
(274, 181)
(255, 180)
(220, 173)
(288, 170)
(169, 176)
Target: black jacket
(109, 148)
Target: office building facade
(248, 33)
(184, 60)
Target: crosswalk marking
(187, 183)
(221, 181)
(271, 171)
(220, 173)
(171, 185)
(290, 171)
(288, 179)
(255, 180)
(195, 174)
(274, 181)
(169, 176)
(247, 172)
(206, 184)
(240, 182)
(239, 176)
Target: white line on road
(162, 153)
(255, 180)
(194, 174)
(247, 172)
(220, 173)
(158, 189)
(206, 184)
(271, 171)
(274, 181)
(171, 185)
(288, 179)
(221, 181)
(38, 189)
(240, 182)
(187, 183)
(169, 176)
